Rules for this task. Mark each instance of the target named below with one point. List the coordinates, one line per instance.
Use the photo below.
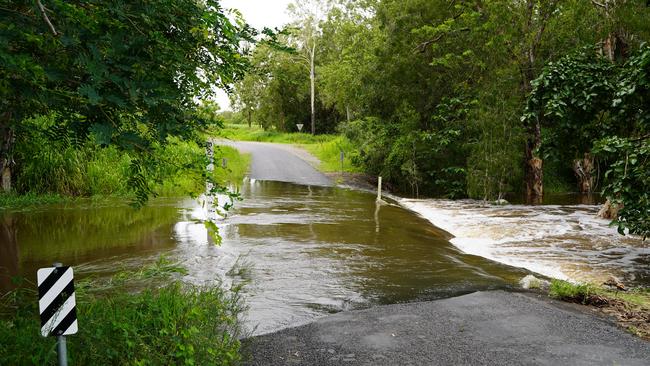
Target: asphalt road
(280, 162)
(483, 328)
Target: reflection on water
(563, 241)
(315, 250)
(304, 251)
(81, 234)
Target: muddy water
(302, 251)
(564, 240)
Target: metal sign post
(57, 306)
(342, 157)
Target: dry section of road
(280, 162)
(482, 328)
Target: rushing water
(561, 241)
(307, 251)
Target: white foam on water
(565, 242)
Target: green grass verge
(237, 165)
(170, 324)
(327, 148)
(567, 291)
(564, 290)
(329, 154)
(11, 200)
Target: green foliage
(586, 101)
(243, 133)
(494, 163)
(567, 291)
(175, 323)
(180, 168)
(629, 182)
(570, 98)
(329, 154)
(64, 165)
(125, 73)
(67, 167)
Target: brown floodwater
(301, 251)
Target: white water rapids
(565, 242)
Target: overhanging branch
(45, 17)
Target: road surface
(280, 162)
(483, 328)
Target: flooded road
(302, 251)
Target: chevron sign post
(57, 305)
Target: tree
(308, 15)
(349, 38)
(127, 73)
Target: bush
(567, 291)
(174, 324)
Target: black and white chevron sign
(56, 301)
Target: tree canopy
(124, 73)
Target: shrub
(176, 323)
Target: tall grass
(58, 164)
(170, 324)
(236, 165)
(50, 169)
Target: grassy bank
(631, 307)
(167, 323)
(237, 165)
(327, 148)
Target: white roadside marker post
(379, 190)
(57, 306)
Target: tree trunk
(6, 145)
(534, 172)
(347, 112)
(6, 179)
(583, 169)
(609, 45)
(249, 118)
(312, 77)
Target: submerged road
(280, 162)
(482, 328)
